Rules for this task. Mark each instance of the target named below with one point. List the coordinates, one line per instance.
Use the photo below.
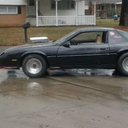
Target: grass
(107, 23)
(15, 36)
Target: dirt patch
(125, 28)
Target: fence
(66, 20)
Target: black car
(103, 48)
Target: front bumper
(6, 61)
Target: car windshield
(124, 34)
(59, 41)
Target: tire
(122, 65)
(34, 66)
(116, 72)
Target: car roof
(95, 29)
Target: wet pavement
(64, 99)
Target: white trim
(119, 3)
(13, 2)
(94, 13)
(56, 13)
(37, 13)
(76, 12)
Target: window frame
(53, 5)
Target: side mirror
(67, 44)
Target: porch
(59, 13)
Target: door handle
(103, 48)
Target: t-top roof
(96, 29)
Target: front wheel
(123, 64)
(34, 66)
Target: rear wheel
(123, 64)
(34, 66)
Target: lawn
(15, 36)
(107, 23)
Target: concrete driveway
(64, 99)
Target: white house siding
(45, 9)
(13, 2)
(81, 8)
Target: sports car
(104, 48)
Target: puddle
(98, 79)
(83, 72)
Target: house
(58, 13)
(45, 12)
(12, 12)
(108, 8)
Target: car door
(83, 51)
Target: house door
(31, 8)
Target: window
(89, 37)
(124, 34)
(72, 4)
(53, 5)
(115, 37)
(8, 10)
(98, 7)
(31, 3)
(63, 4)
(3, 9)
(102, 7)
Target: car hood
(27, 46)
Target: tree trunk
(124, 13)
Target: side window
(115, 37)
(88, 37)
(124, 34)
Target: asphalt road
(64, 99)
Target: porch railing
(66, 20)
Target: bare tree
(124, 13)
